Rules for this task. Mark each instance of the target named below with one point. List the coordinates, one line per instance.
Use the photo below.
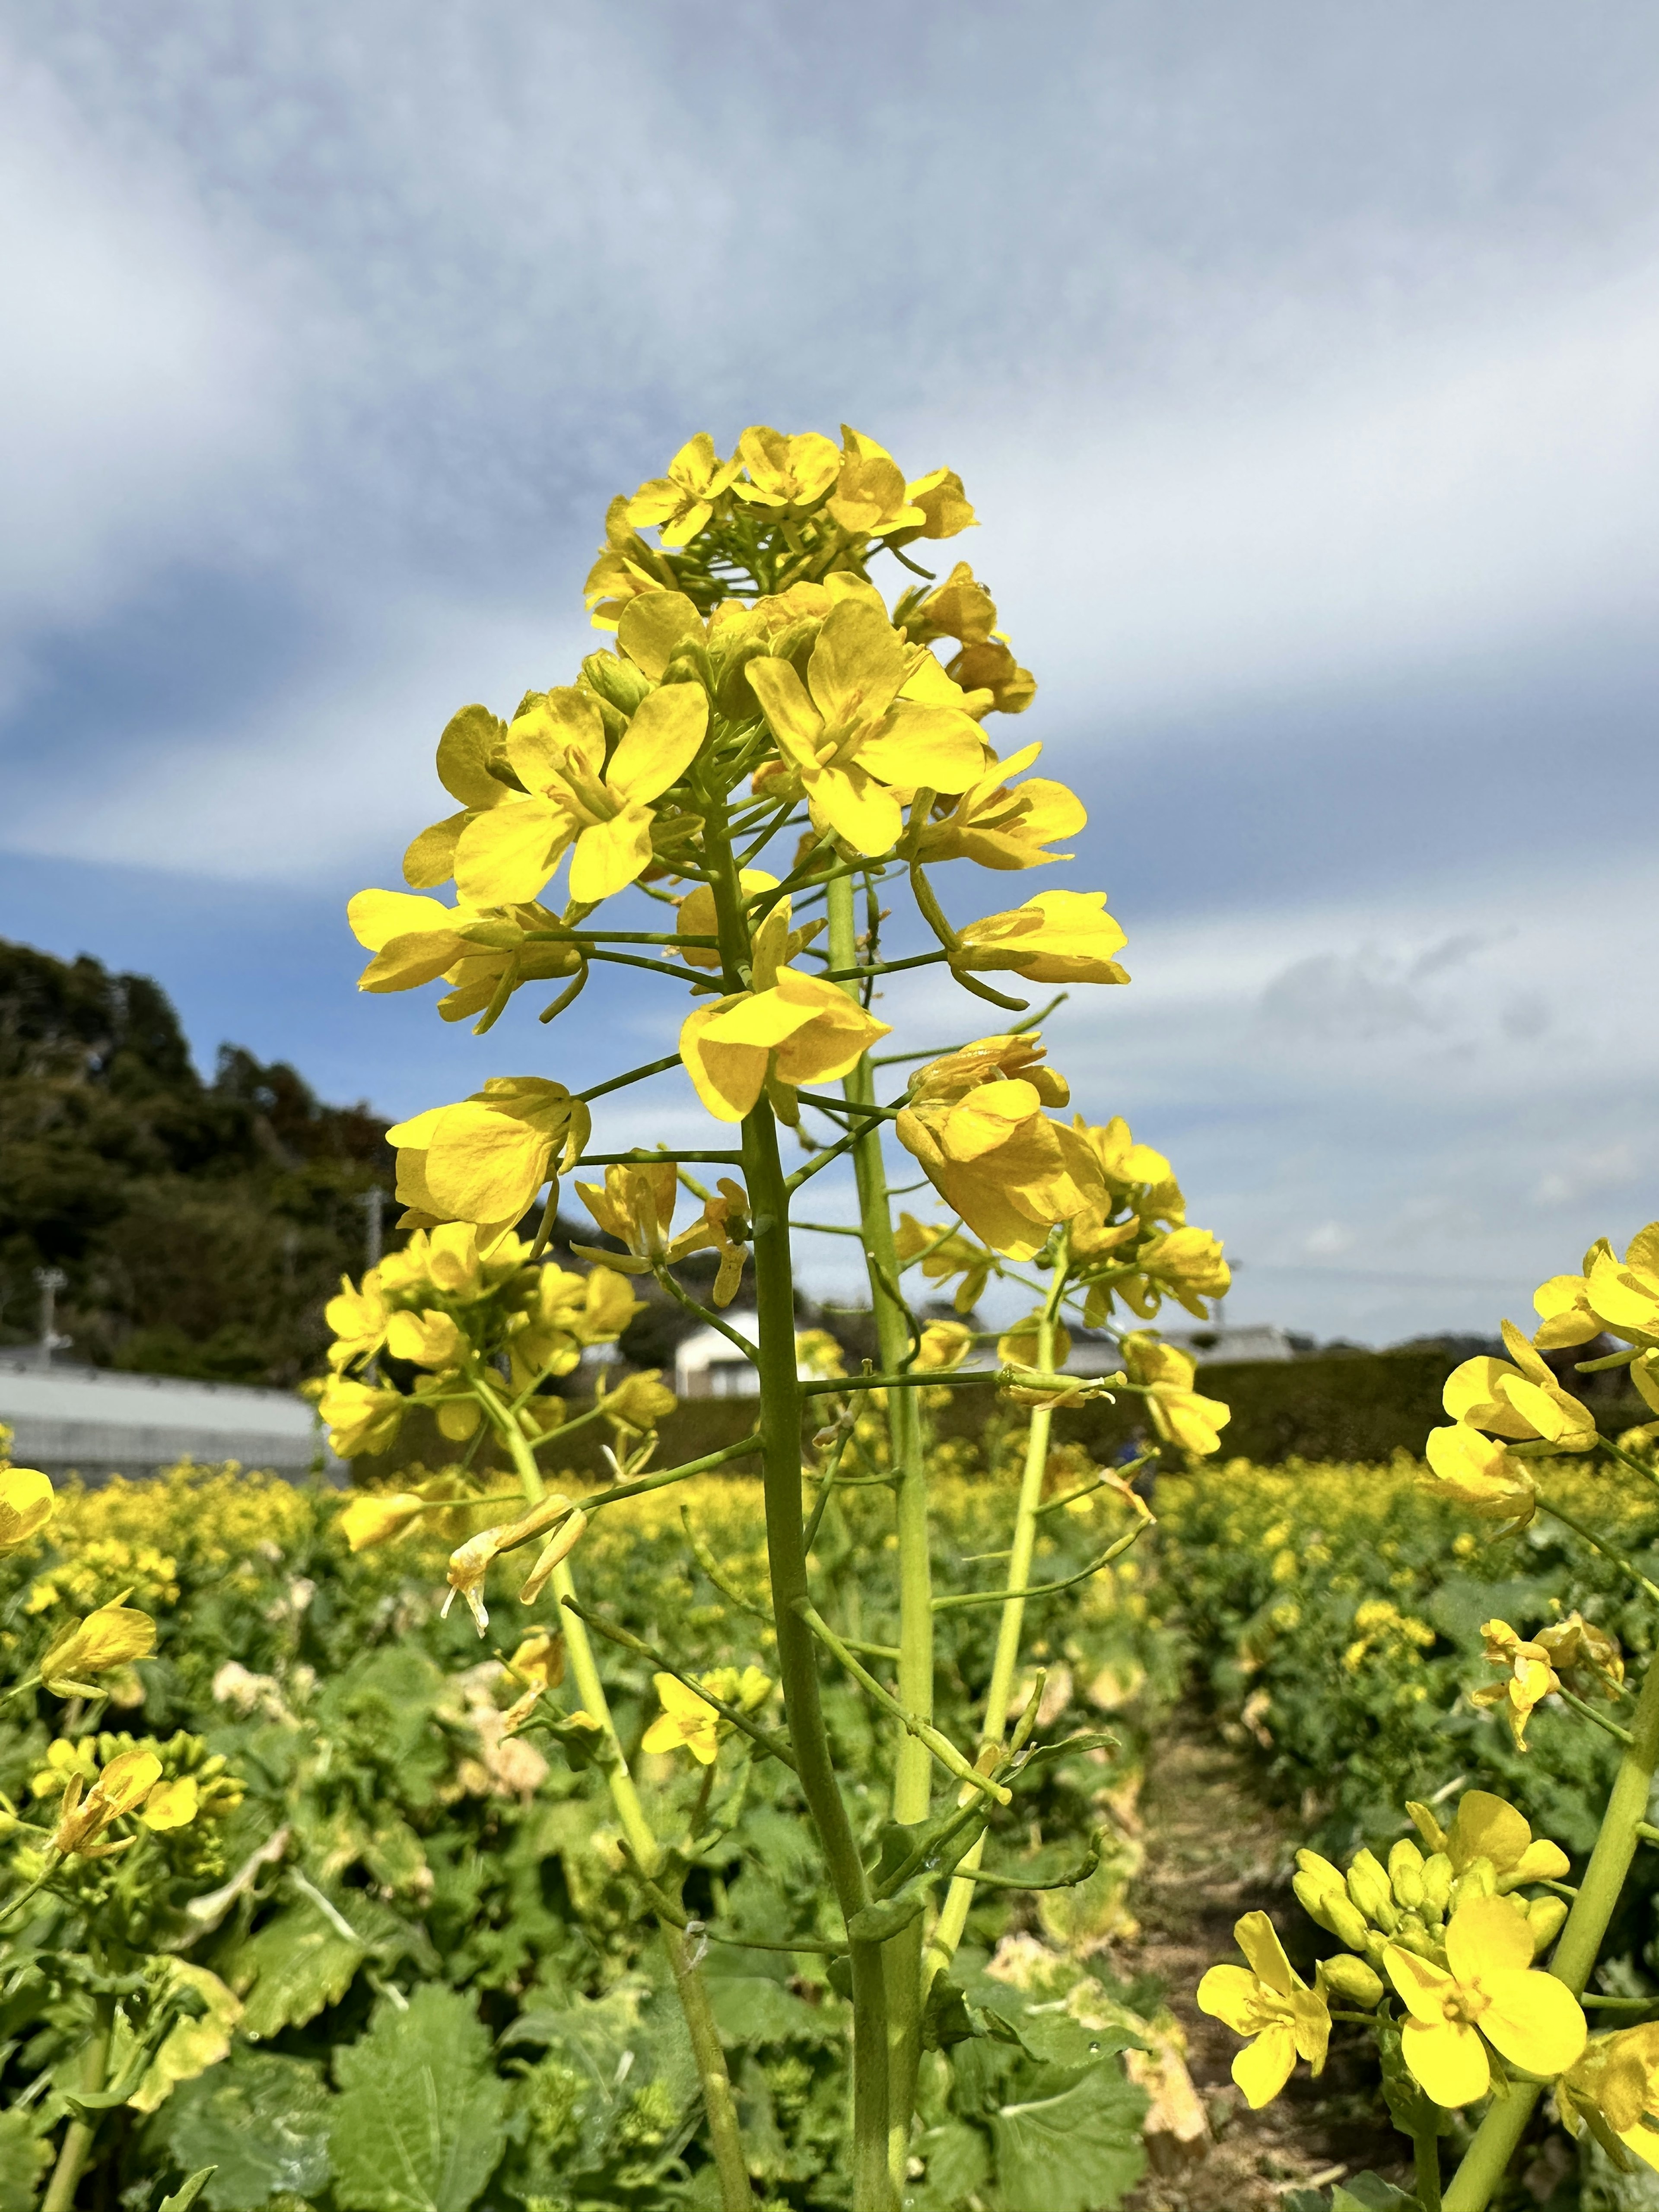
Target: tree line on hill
(201, 1225)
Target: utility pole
(373, 1201)
(50, 1280)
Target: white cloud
(143, 379)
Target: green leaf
(24, 2156)
(297, 1965)
(418, 2126)
(752, 2008)
(1368, 2192)
(261, 2121)
(183, 2197)
(958, 2162)
(1077, 2152)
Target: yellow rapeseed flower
(1059, 937)
(375, 1518)
(689, 1722)
(1270, 2003)
(114, 1636)
(172, 1804)
(681, 502)
(483, 1160)
(1489, 1989)
(1518, 1401)
(979, 1130)
(793, 474)
(1002, 825)
(577, 797)
(1487, 1829)
(849, 736)
(799, 1030)
(1528, 1677)
(945, 1344)
(1480, 1473)
(870, 498)
(1179, 1413)
(122, 1787)
(1613, 2090)
(27, 1502)
(361, 1417)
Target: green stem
(953, 1918)
(797, 1661)
(1599, 1544)
(1488, 2156)
(912, 1765)
(78, 2136)
(724, 2135)
(1426, 2158)
(731, 2165)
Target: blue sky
(1304, 364)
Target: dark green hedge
(1359, 1406)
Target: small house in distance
(1252, 1340)
(709, 1366)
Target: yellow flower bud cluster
(1447, 1934)
(455, 1306)
(1488, 1851)
(104, 1784)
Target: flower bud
(1417, 1939)
(1544, 1916)
(1437, 1878)
(1406, 1874)
(1477, 1879)
(1315, 1898)
(1348, 1924)
(377, 1517)
(1368, 1886)
(1353, 1980)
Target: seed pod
(1368, 1886)
(1406, 1874)
(1437, 1878)
(1353, 1980)
(1545, 1916)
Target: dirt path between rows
(1215, 1850)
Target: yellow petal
(1487, 1827)
(172, 1804)
(464, 754)
(1486, 1934)
(1423, 1987)
(1448, 2059)
(1257, 1938)
(940, 746)
(856, 806)
(484, 1166)
(1262, 2068)
(1230, 1994)
(857, 665)
(653, 625)
(1533, 2020)
(727, 1078)
(610, 855)
(376, 917)
(506, 856)
(562, 729)
(661, 741)
(795, 722)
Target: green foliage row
(450, 1995)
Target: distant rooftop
(96, 1422)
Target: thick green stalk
(78, 2136)
(1426, 2163)
(785, 1548)
(999, 1698)
(913, 1766)
(1487, 2158)
(725, 2139)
